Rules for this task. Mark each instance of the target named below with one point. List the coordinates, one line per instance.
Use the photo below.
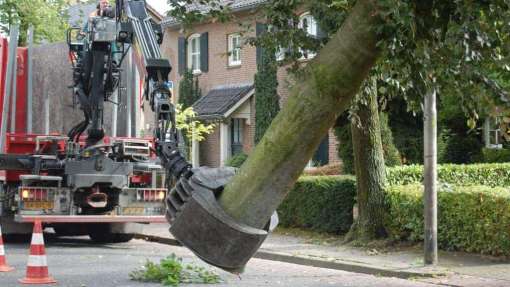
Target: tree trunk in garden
(370, 170)
(321, 94)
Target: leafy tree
(369, 168)
(267, 101)
(189, 90)
(324, 89)
(415, 47)
(48, 17)
(190, 127)
(345, 149)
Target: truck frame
(86, 182)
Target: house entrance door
(236, 134)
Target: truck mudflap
(89, 219)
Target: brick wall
(333, 148)
(221, 74)
(209, 149)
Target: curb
(342, 266)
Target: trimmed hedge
(496, 174)
(320, 203)
(471, 218)
(491, 155)
(237, 160)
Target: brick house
(225, 68)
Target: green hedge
(491, 155)
(237, 160)
(320, 203)
(497, 174)
(472, 219)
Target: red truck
(106, 190)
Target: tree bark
(322, 93)
(370, 170)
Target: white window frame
(194, 54)
(280, 54)
(234, 51)
(493, 133)
(311, 30)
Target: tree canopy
(47, 16)
(458, 48)
(461, 46)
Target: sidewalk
(406, 262)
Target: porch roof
(220, 101)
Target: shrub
(472, 219)
(346, 151)
(474, 174)
(490, 155)
(391, 153)
(237, 160)
(461, 148)
(267, 100)
(330, 169)
(321, 203)
(189, 89)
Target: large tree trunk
(323, 92)
(370, 170)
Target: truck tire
(104, 233)
(69, 230)
(98, 237)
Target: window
(309, 24)
(237, 126)
(493, 138)
(280, 54)
(234, 50)
(194, 53)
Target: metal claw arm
(145, 37)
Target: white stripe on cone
(37, 261)
(2, 250)
(37, 239)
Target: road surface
(77, 262)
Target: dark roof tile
(235, 5)
(219, 100)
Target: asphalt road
(77, 262)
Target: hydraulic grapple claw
(200, 223)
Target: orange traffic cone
(3, 264)
(37, 267)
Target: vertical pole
(130, 92)
(224, 143)
(30, 79)
(14, 94)
(487, 133)
(195, 152)
(154, 179)
(136, 103)
(13, 43)
(115, 108)
(430, 178)
(47, 115)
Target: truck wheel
(17, 238)
(69, 231)
(100, 237)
